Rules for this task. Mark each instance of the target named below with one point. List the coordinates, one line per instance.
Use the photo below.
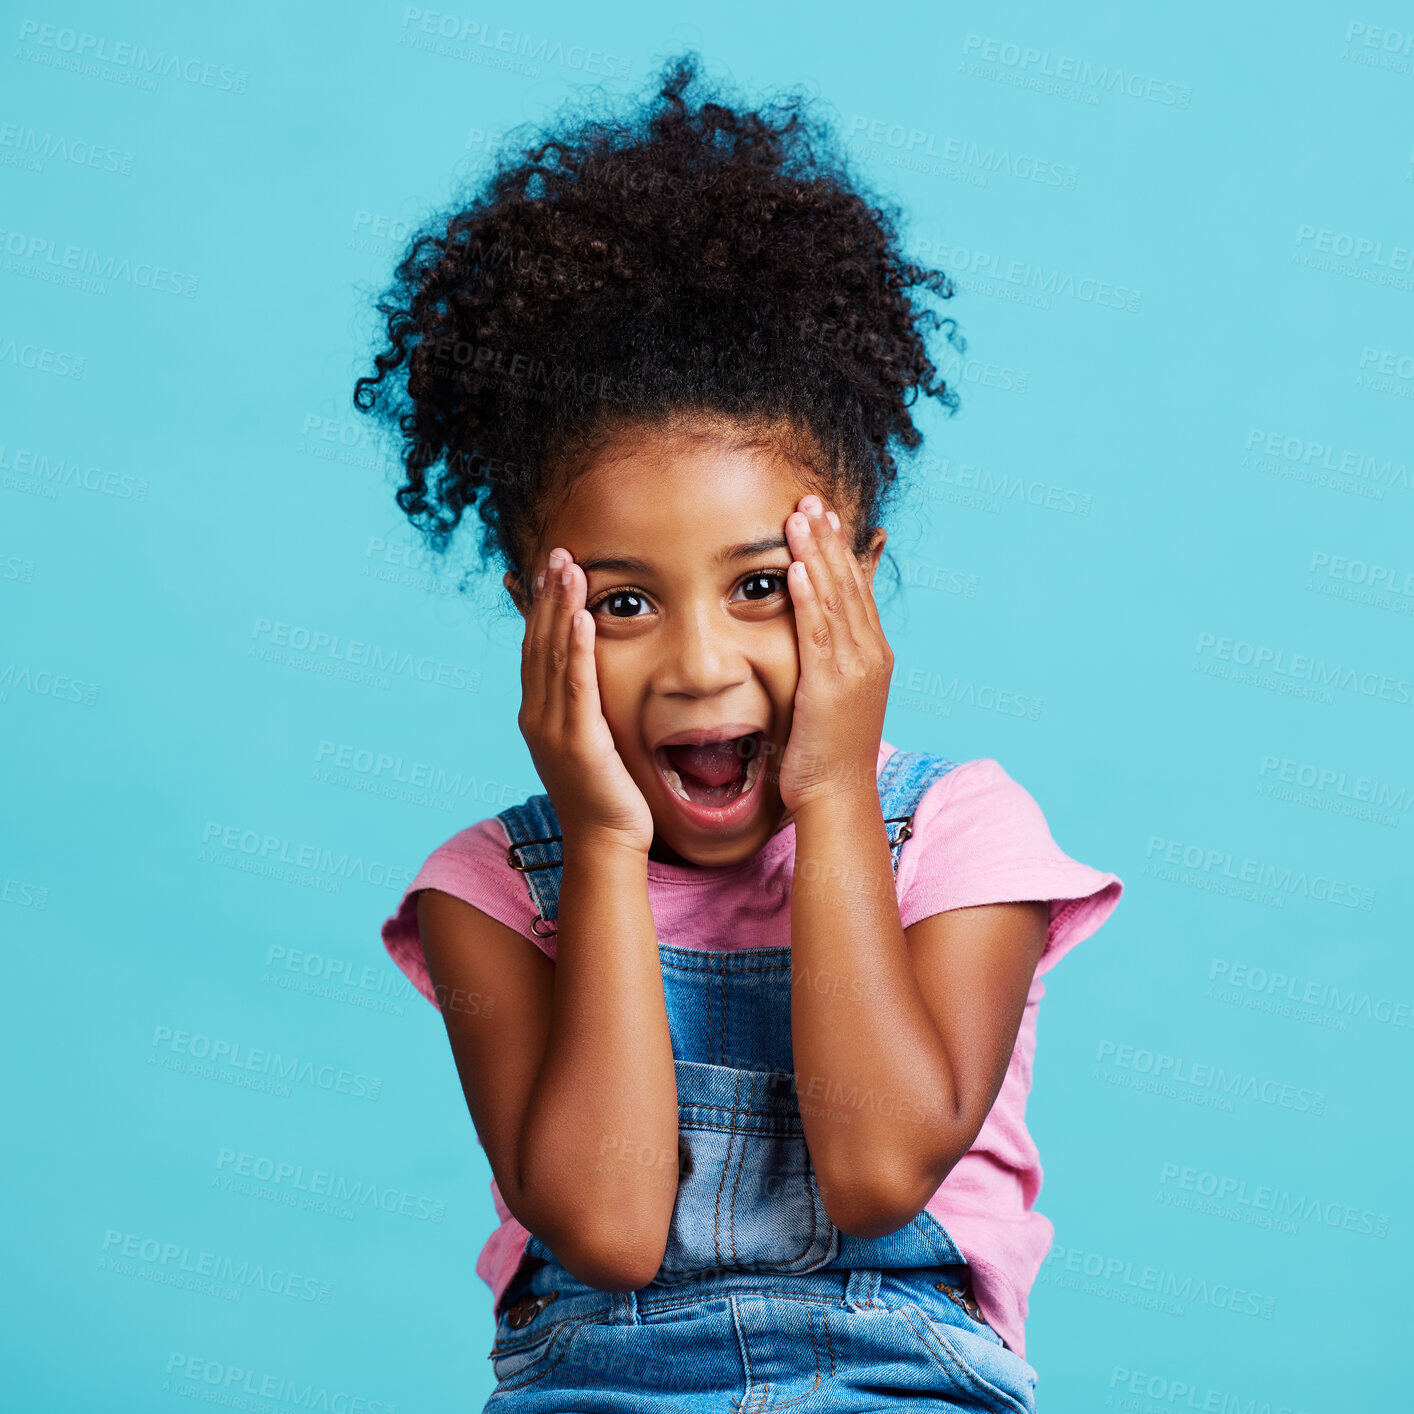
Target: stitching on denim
(774, 1293)
(931, 1238)
(717, 1218)
(723, 973)
(707, 999)
(740, 1165)
(792, 1131)
(740, 1404)
(517, 1343)
(953, 1365)
(740, 960)
(786, 1403)
(731, 1109)
(554, 1364)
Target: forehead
(660, 495)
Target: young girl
(744, 1006)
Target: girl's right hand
(563, 723)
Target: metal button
(523, 1311)
(961, 1298)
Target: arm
(572, 1072)
(924, 1021)
(900, 1053)
(572, 1068)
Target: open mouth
(712, 775)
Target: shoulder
(473, 866)
(981, 837)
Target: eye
(760, 585)
(621, 603)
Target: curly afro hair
(696, 261)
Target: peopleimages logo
(1269, 1199)
(1261, 874)
(1296, 669)
(1281, 991)
(177, 1264)
(1313, 456)
(317, 650)
(219, 1057)
(58, 46)
(272, 850)
(300, 1184)
(1215, 1080)
(217, 1382)
(1115, 1274)
(918, 144)
(1028, 60)
(1167, 1392)
(1330, 780)
(44, 257)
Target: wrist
(848, 806)
(603, 850)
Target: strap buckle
(906, 821)
(536, 927)
(532, 868)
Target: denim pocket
(983, 1373)
(521, 1358)
(747, 1197)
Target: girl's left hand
(845, 664)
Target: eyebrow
(627, 564)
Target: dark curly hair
(698, 261)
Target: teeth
(753, 769)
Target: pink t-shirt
(978, 838)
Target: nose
(701, 657)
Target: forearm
(605, 1095)
(876, 1093)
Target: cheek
(780, 666)
(621, 688)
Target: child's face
(699, 632)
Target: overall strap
(537, 851)
(536, 848)
(905, 777)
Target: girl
(744, 1006)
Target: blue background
(1182, 448)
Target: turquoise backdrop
(1172, 520)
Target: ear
(519, 598)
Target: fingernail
(833, 519)
(813, 505)
(557, 558)
(539, 581)
(802, 524)
(566, 575)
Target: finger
(811, 629)
(846, 651)
(845, 570)
(532, 652)
(862, 577)
(817, 580)
(582, 676)
(557, 657)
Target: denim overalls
(761, 1303)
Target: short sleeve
(473, 867)
(979, 837)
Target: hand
(563, 723)
(845, 664)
